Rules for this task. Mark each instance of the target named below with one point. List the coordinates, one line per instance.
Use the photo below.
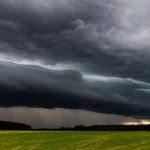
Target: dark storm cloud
(33, 86)
(100, 37)
(51, 32)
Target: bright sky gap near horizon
(82, 61)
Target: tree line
(8, 125)
(107, 128)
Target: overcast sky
(75, 57)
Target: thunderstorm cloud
(89, 55)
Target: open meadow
(36, 140)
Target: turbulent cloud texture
(84, 54)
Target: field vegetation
(74, 140)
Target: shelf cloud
(34, 86)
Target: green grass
(20, 140)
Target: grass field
(19, 140)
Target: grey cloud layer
(107, 37)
